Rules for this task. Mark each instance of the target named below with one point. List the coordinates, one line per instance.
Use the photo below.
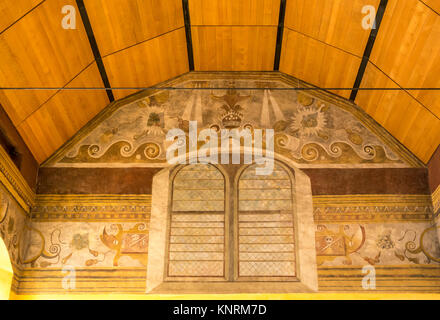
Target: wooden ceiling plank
(26, 132)
(226, 48)
(64, 114)
(225, 43)
(195, 42)
(400, 113)
(411, 57)
(311, 60)
(120, 24)
(335, 22)
(424, 134)
(123, 65)
(13, 11)
(434, 5)
(407, 53)
(234, 13)
(34, 55)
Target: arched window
(263, 245)
(197, 224)
(224, 228)
(266, 242)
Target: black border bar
(369, 48)
(189, 45)
(95, 49)
(280, 33)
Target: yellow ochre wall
(6, 272)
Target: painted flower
(385, 242)
(309, 121)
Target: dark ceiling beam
(189, 45)
(369, 48)
(280, 32)
(95, 49)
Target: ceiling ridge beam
(94, 46)
(369, 48)
(279, 43)
(189, 44)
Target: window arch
(221, 229)
(197, 242)
(265, 225)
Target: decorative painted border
(327, 208)
(347, 105)
(91, 208)
(14, 182)
(372, 208)
(37, 281)
(410, 278)
(389, 278)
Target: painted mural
(106, 239)
(86, 232)
(103, 241)
(87, 244)
(308, 130)
(379, 244)
(13, 225)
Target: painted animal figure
(132, 242)
(331, 245)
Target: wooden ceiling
(139, 43)
(406, 54)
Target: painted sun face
(308, 121)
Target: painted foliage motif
(90, 244)
(44, 245)
(36, 244)
(377, 244)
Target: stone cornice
(14, 182)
